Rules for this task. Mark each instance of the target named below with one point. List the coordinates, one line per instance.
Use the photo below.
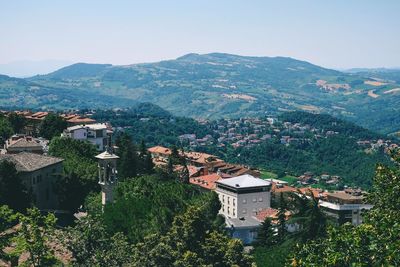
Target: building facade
(345, 206)
(241, 198)
(22, 143)
(93, 133)
(39, 174)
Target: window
(223, 198)
(233, 200)
(234, 212)
(228, 210)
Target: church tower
(107, 165)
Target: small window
(234, 202)
(233, 212)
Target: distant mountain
(224, 85)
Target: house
(160, 153)
(345, 206)
(208, 181)
(93, 133)
(241, 198)
(21, 143)
(39, 174)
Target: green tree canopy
(52, 126)
(12, 191)
(376, 242)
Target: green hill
(220, 85)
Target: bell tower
(107, 165)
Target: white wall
(243, 205)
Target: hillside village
(247, 132)
(245, 194)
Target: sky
(337, 34)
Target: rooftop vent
(237, 185)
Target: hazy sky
(336, 33)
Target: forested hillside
(336, 154)
(216, 85)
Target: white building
(344, 207)
(93, 133)
(241, 198)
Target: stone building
(39, 174)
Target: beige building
(39, 174)
(242, 198)
(21, 143)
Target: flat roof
(244, 181)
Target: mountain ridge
(218, 85)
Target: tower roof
(107, 155)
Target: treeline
(321, 243)
(335, 155)
(326, 123)
(152, 124)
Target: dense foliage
(376, 242)
(13, 192)
(52, 126)
(337, 155)
(80, 171)
(151, 124)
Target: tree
(80, 171)
(376, 242)
(191, 240)
(17, 122)
(6, 129)
(307, 213)
(8, 219)
(91, 244)
(34, 236)
(12, 191)
(52, 126)
(128, 164)
(266, 234)
(281, 219)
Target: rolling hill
(216, 85)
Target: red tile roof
(270, 213)
(160, 150)
(206, 181)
